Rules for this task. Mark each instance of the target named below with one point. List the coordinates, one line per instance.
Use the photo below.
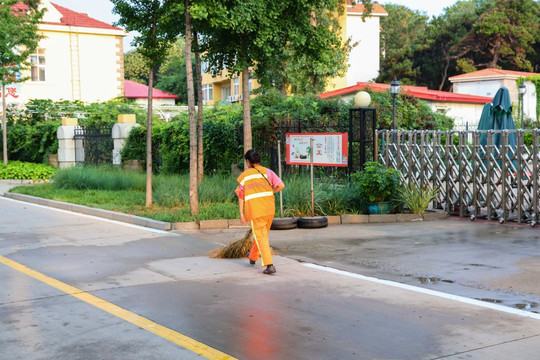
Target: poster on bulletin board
(329, 149)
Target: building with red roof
(79, 58)
(139, 92)
(464, 109)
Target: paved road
(75, 287)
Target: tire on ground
(312, 222)
(283, 223)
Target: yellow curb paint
(140, 321)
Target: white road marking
(461, 299)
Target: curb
(217, 224)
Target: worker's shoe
(270, 269)
(252, 262)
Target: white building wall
(364, 57)
(465, 115)
(98, 67)
(57, 71)
(481, 88)
(94, 60)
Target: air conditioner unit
(230, 98)
(240, 97)
(235, 98)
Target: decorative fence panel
(94, 145)
(481, 174)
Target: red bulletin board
(330, 149)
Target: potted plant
(377, 187)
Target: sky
(102, 9)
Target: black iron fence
(94, 145)
(360, 128)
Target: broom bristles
(236, 249)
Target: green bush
(376, 183)
(26, 171)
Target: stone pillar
(120, 132)
(66, 142)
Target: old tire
(283, 223)
(315, 222)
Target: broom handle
(279, 170)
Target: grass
(115, 189)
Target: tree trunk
(200, 145)
(248, 143)
(149, 140)
(4, 125)
(193, 199)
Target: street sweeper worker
(257, 206)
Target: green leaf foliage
(376, 183)
(16, 170)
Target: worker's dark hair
(253, 156)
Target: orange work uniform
(259, 209)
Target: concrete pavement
(385, 291)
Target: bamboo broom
(236, 249)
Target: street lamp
(522, 90)
(394, 91)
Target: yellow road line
(166, 333)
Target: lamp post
(394, 91)
(522, 90)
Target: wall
(79, 66)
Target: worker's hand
(243, 219)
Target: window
(208, 92)
(226, 93)
(236, 86)
(37, 65)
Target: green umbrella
(498, 116)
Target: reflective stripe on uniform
(258, 195)
(251, 177)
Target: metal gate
(94, 145)
(477, 173)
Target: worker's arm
(241, 210)
(280, 187)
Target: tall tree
(135, 67)
(314, 54)
(19, 38)
(155, 21)
(193, 202)
(503, 35)
(438, 61)
(240, 35)
(402, 35)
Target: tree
(19, 38)
(155, 21)
(403, 34)
(135, 67)
(438, 62)
(193, 202)
(171, 74)
(503, 36)
(240, 35)
(312, 56)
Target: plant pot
(383, 207)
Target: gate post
(66, 142)
(120, 132)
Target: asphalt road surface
(78, 287)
